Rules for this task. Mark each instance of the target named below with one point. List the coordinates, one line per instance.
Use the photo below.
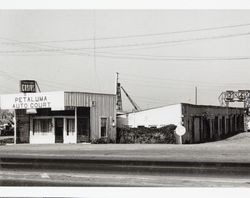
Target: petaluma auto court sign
(53, 100)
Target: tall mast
(118, 94)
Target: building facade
(62, 117)
(203, 123)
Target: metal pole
(180, 139)
(116, 83)
(15, 123)
(76, 123)
(195, 95)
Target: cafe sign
(53, 100)
(28, 86)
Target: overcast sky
(161, 55)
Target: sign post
(180, 131)
(15, 122)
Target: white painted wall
(49, 137)
(42, 138)
(155, 117)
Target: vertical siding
(104, 107)
(212, 115)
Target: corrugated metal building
(202, 122)
(53, 117)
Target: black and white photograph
(125, 98)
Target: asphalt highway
(224, 163)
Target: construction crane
(136, 107)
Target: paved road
(103, 179)
(223, 163)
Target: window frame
(42, 118)
(100, 126)
(67, 125)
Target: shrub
(102, 140)
(143, 135)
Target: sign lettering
(53, 100)
(28, 86)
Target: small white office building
(61, 117)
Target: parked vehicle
(6, 130)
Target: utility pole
(196, 99)
(118, 94)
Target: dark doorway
(83, 128)
(223, 126)
(58, 130)
(83, 124)
(206, 127)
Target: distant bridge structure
(230, 96)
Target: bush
(103, 140)
(143, 135)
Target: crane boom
(136, 107)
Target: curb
(125, 166)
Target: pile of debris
(143, 135)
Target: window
(103, 127)
(42, 125)
(70, 125)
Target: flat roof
(212, 106)
(194, 105)
(90, 93)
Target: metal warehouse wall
(101, 105)
(207, 123)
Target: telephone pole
(196, 97)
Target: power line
(142, 35)
(148, 58)
(159, 86)
(164, 56)
(128, 45)
(59, 49)
(176, 59)
(41, 81)
(136, 76)
(153, 57)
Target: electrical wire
(128, 45)
(142, 35)
(138, 77)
